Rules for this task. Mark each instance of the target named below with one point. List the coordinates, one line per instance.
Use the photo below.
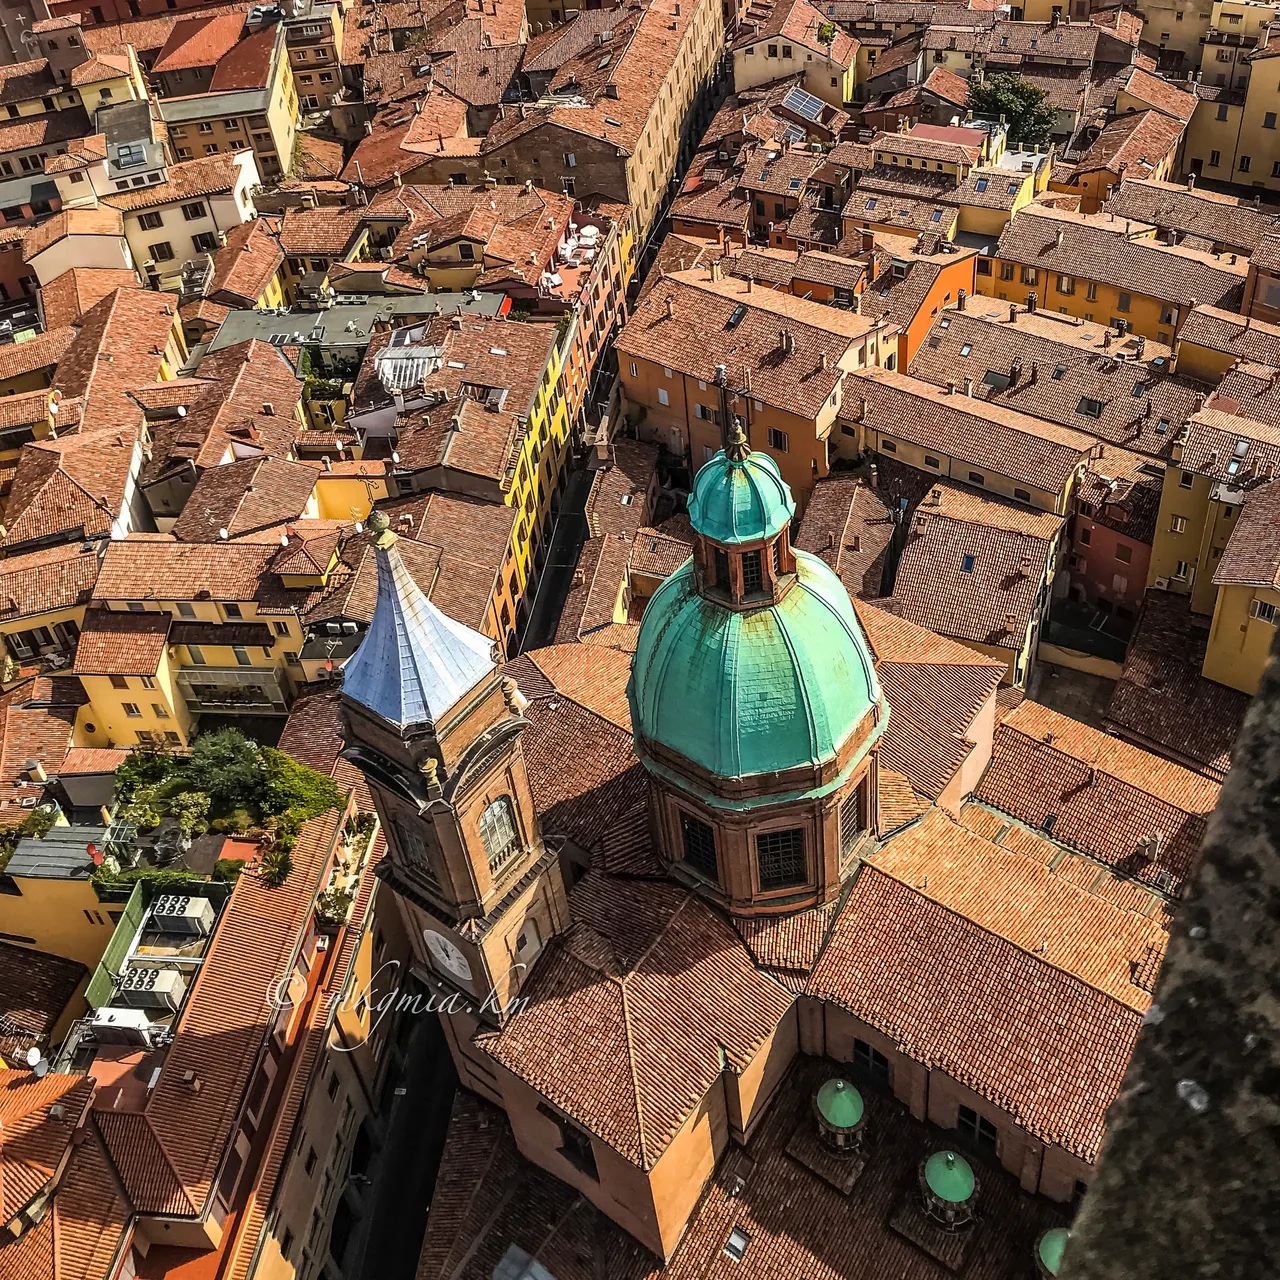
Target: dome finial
(737, 449)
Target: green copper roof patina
(756, 691)
(840, 1104)
(1051, 1247)
(740, 496)
(949, 1176)
(761, 691)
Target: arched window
(498, 832)
(413, 849)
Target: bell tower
(436, 729)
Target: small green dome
(740, 496)
(949, 1176)
(1051, 1246)
(840, 1104)
(755, 691)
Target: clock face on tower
(447, 956)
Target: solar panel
(793, 133)
(803, 104)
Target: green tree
(228, 768)
(294, 788)
(1029, 116)
(275, 867)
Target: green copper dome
(1051, 1246)
(757, 691)
(949, 1176)
(740, 496)
(840, 1104)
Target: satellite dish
(34, 1055)
(41, 1069)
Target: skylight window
(736, 1246)
(983, 184)
(936, 216)
(872, 202)
(496, 351)
(968, 346)
(944, 323)
(1162, 427)
(736, 318)
(1242, 447)
(1059, 373)
(1013, 188)
(967, 564)
(793, 185)
(1139, 389)
(1089, 408)
(604, 62)
(993, 378)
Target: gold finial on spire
(737, 448)
(379, 527)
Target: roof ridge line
(999, 937)
(631, 1069)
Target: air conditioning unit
(144, 988)
(121, 1026)
(1162, 584)
(176, 913)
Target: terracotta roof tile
(697, 337)
(35, 988)
(1135, 144)
(245, 264)
(1098, 796)
(895, 639)
(71, 222)
(67, 297)
(1038, 1042)
(222, 1027)
(72, 487)
(120, 344)
(41, 352)
(632, 1015)
(1252, 555)
(43, 581)
(1062, 370)
(121, 644)
(1025, 449)
(1020, 899)
(1162, 702)
(1098, 250)
(186, 180)
(243, 496)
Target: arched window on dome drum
(780, 859)
(498, 832)
(699, 846)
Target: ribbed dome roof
(740, 496)
(757, 691)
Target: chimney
(1035, 374)
(822, 362)
(1033, 301)
(35, 771)
(857, 542)
(715, 270)
(961, 298)
(1010, 621)
(750, 284)
(671, 307)
(1013, 312)
(1191, 182)
(874, 476)
(951, 388)
(1062, 235)
(968, 386)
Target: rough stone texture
(1193, 1190)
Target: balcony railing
(243, 690)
